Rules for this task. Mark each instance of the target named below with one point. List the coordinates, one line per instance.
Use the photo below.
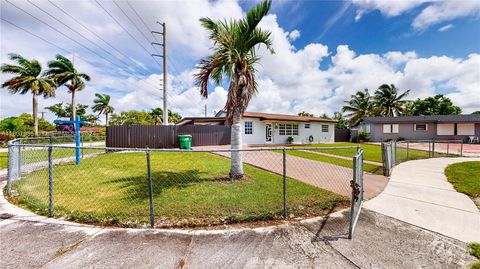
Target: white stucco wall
(315, 130)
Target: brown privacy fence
(342, 135)
(152, 136)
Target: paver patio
(326, 176)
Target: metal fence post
(19, 159)
(448, 147)
(433, 149)
(50, 181)
(10, 168)
(150, 190)
(284, 183)
(352, 200)
(408, 157)
(461, 149)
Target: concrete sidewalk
(418, 193)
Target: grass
(189, 189)
(475, 251)
(465, 177)
(3, 160)
(371, 168)
(371, 152)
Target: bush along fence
(395, 152)
(175, 188)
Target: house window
(307, 125)
(288, 129)
(248, 127)
(324, 128)
(390, 128)
(421, 127)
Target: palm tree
(102, 105)
(174, 117)
(64, 73)
(359, 107)
(28, 78)
(234, 57)
(305, 114)
(157, 116)
(388, 102)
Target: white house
(265, 128)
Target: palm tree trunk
(106, 119)
(236, 165)
(74, 108)
(35, 113)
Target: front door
(268, 133)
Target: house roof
(463, 118)
(261, 116)
(283, 117)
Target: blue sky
(325, 50)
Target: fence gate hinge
(356, 189)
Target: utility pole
(164, 56)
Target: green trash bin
(185, 141)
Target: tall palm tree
(234, 57)
(102, 105)
(28, 78)
(174, 117)
(64, 72)
(157, 116)
(388, 101)
(358, 107)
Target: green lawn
(336, 161)
(465, 177)
(475, 251)
(188, 189)
(3, 160)
(370, 152)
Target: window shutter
(387, 128)
(395, 128)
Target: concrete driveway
(30, 241)
(418, 193)
(326, 176)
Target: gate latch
(356, 189)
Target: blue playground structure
(76, 126)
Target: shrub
(364, 136)
(290, 140)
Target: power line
(99, 37)
(133, 37)
(87, 48)
(78, 33)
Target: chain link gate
(357, 192)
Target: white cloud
(290, 80)
(445, 11)
(294, 35)
(446, 28)
(388, 8)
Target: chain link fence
(176, 188)
(395, 152)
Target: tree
(64, 72)
(388, 102)
(174, 117)
(28, 77)
(325, 116)
(341, 121)
(358, 107)
(12, 124)
(157, 116)
(476, 112)
(132, 117)
(234, 56)
(435, 105)
(305, 114)
(102, 105)
(28, 123)
(62, 110)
